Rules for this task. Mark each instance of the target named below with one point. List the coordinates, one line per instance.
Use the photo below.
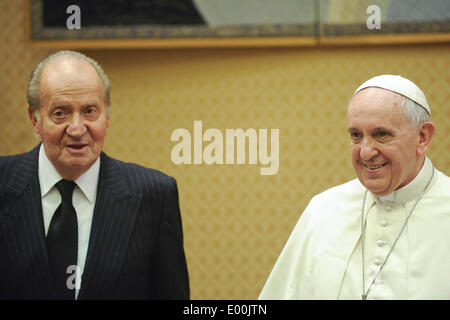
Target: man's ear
(107, 120)
(108, 110)
(426, 133)
(34, 120)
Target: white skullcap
(399, 85)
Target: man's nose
(77, 127)
(368, 150)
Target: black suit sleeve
(168, 269)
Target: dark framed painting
(203, 23)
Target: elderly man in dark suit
(75, 223)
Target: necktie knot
(65, 188)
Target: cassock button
(378, 262)
(389, 208)
(380, 243)
(384, 223)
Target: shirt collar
(49, 176)
(413, 189)
(88, 181)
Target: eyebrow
(67, 104)
(376, 130)
(382, 129)
(60, 105)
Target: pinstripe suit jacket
(136, 241)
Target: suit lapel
(24, 228)
(112, 223)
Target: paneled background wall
(235, 220)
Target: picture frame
(115, 24)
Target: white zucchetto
(398, 84)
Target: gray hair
(415, 112)
(33, 94)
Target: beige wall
(235, 220)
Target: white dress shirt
(83, 200)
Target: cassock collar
(413, 189)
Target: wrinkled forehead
(68, 72)
(67, 81)
(377, 107)
(376, 99)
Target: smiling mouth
(374, 167)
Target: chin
(382, 193)
(79, 162)
(376, 188)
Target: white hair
(33, 94)
(415, 112)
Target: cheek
(51, 135)
(355, 151)
(397, 155)
(98, 133)
(403, 162)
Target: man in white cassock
(385, 235)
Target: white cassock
(322, 258)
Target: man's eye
(355, 135)
(90, 111)
(381, 134)
(58, 114)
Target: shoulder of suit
(141, 177)
(10, 159)
(7, 166)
